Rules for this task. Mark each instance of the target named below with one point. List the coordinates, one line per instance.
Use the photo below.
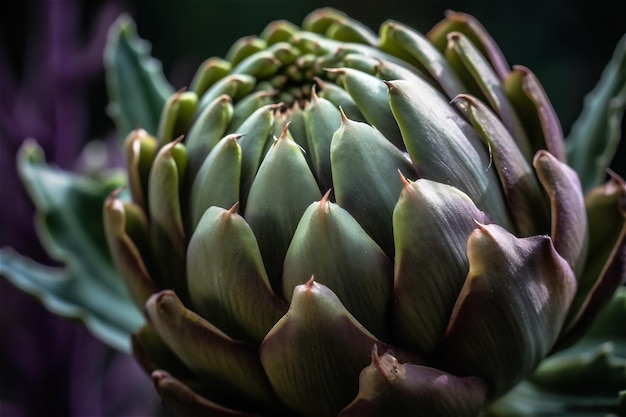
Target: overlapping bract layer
(324, 194)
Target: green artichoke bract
(334, 222)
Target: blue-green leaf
(595, 135)
(582, 381)
(69, 221)
(135, 81)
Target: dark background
(566, 43)
(49, 366)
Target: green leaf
(136, 84)
(595, 135)
(70, 224)
(584, 380)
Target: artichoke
(334, 222)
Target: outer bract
(334, 222)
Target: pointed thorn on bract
(542, 153)
(615, 183)
(324, 202)
(116, 193)
(234, 209)
(113, 200)
(453, 39)
(274, 60)
(344, 118)
(335, 70)
(225, 98)
(324, 199)
(233, 136)
(374, 353)
(158, 376)
(614, 176)
(310, 283)
(405, 181)
(463, 101)
(276, 108)
(170, 145)
(283, 134)
(268, 93)
(319, 82)
(481, 226)
(314, 96)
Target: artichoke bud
(265, 297)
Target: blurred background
(52, 89)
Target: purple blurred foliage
(48, 101)
(50, 366)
